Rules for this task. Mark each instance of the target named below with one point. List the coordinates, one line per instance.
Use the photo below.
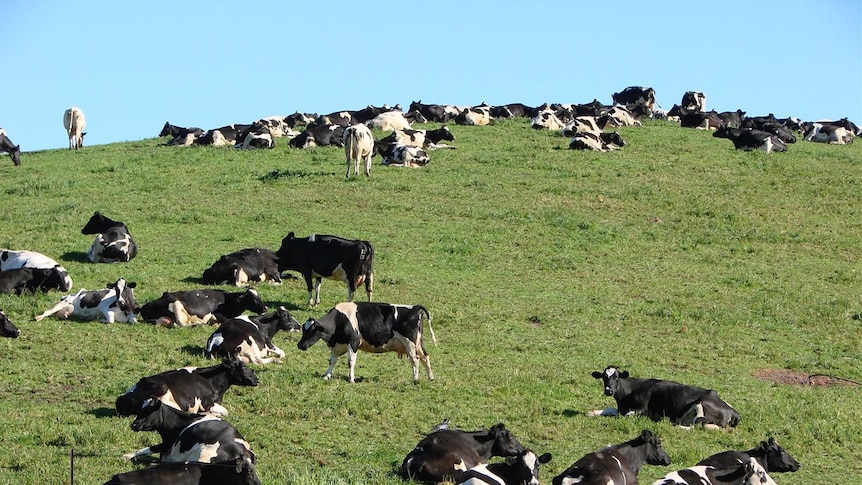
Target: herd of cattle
(184, 406)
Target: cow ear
(624, 374)
(597, 374)
(131, 284)
(545, 458)
(290, 236)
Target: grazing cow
(429, 139)
(6, 146)
(827, 133)
(190, 389)
(546, 120)
(7, 328)
(522, 469)
(197, 307)
(28, 280)
(684, 405)
(31, 259)
(748, 473)
(319, 136)
(113, 244)
(180, 135)
(701, 121)
(236, 472)
(693, 102)
(188, 437)
(390, 121)
(116, 303)
(358, 145)
(446, 453)
(74, 122)
(636, 96)
(581, 124)
(406, 156)
(751, 139)
(250, 338)
(599, 142)
(616, 464)
(617, 116)
(243, 267)
(370, 327)
(769, 454)
(322, 256)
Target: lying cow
(682, 404)
(190, 389)
(370, 327)
(6, 146)
(180, 135)
(200, 307)
(29, 280)
(243, 267)
(188, 437)
(235, 472)
(322, 256)
(116, 303)
(10, 259)
(429, 139)
(249, 339)
(406, 156)
(769, 454)
(114, 242)
(447, 453)
(522, 469)
(748, 473)
(7, 328)
(617, 463)
(747, 139)
(597, 142)
(358, 146)
(827, 133)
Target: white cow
(358, 145)
(389, 121)
(74, 122)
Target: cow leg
(62, 309)
(604, 412)
(351, 363)
(181, 315)
(694, 416)
(368, 166)
(369, 285)
(333, 358)
(317, 282)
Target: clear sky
(131, 65)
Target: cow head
(654, 453)
(15, 154)
(251, 301)
(97, 224)
(777, 458)
(525, 466)
(505, 444)
(240, 374)
(611, 379)
(312, 331)
(125, 296)
(613, 138)
(151, 416)
(7, 329)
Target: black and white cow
(769, 454)
(522, 469)
(636, 96)
(319, 136)
(29, 280)
(822, 132)
(7, 328)
(180, 135)
(116, 303)
(6, 146)
(474, 116)
(371, 327)
(732, 119)
(546, 120)
(429, 139)
(188, 437)
(114, 242)
(243, 267)
(445, 454)
(616, 463)
(189, 389)
(258, 135)
(682, 404)
(338, 118)
(693, 102)
(249, 339)
(709, 120)
(236, 472)
(617, 116)
(748, 473)
(224, 136)
(199, 307)
(358, 146)
(598, 142)
(390, 121)
(748, 140)
(406, 156)
(581, 124)
(322, 256)
(771, 125)
(10, 259)
(435, 112)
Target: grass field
(677, 258)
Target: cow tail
(430, 329)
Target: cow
(390, 121)
(616, 117)
(224, 136)
(29, 280)
(683, 405)
(520, 110)
(114, 242)
(429, 139)
(827, 133)
(258, 135)
(446, 453)
(771, 125)
(319, 136)
(406, 156)
(116, 303)
(338, 118)
(732, 119)
(748, 473)
(599, 142)
(593, 108)
(435, 112)
(243, 267)
(636, 96)
(200, 307)
(546, 120)
(7, 328)
(323, 256)
(74, 122)
(279, 126)
(769, 454)
(522, 469)
(474, 116)
(6, 146)
(358, 146)
(10, 259)
(189, 389)
(581, 124)
(180, 135)
(371, 327)
(701, 121)
(693, 102)
(751, 139)
(236, 472)
(249, 339)
(188, 437)
(616, 463)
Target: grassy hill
(676, 258)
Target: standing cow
(114, 242)
(74, 122)
(6, 146)
(358, 145)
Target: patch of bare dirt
(791, 377)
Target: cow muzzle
(609, 391)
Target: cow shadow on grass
(193, 350)
(103, 412)
(75, 256)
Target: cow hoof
(326, 377)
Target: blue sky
(132, 65)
